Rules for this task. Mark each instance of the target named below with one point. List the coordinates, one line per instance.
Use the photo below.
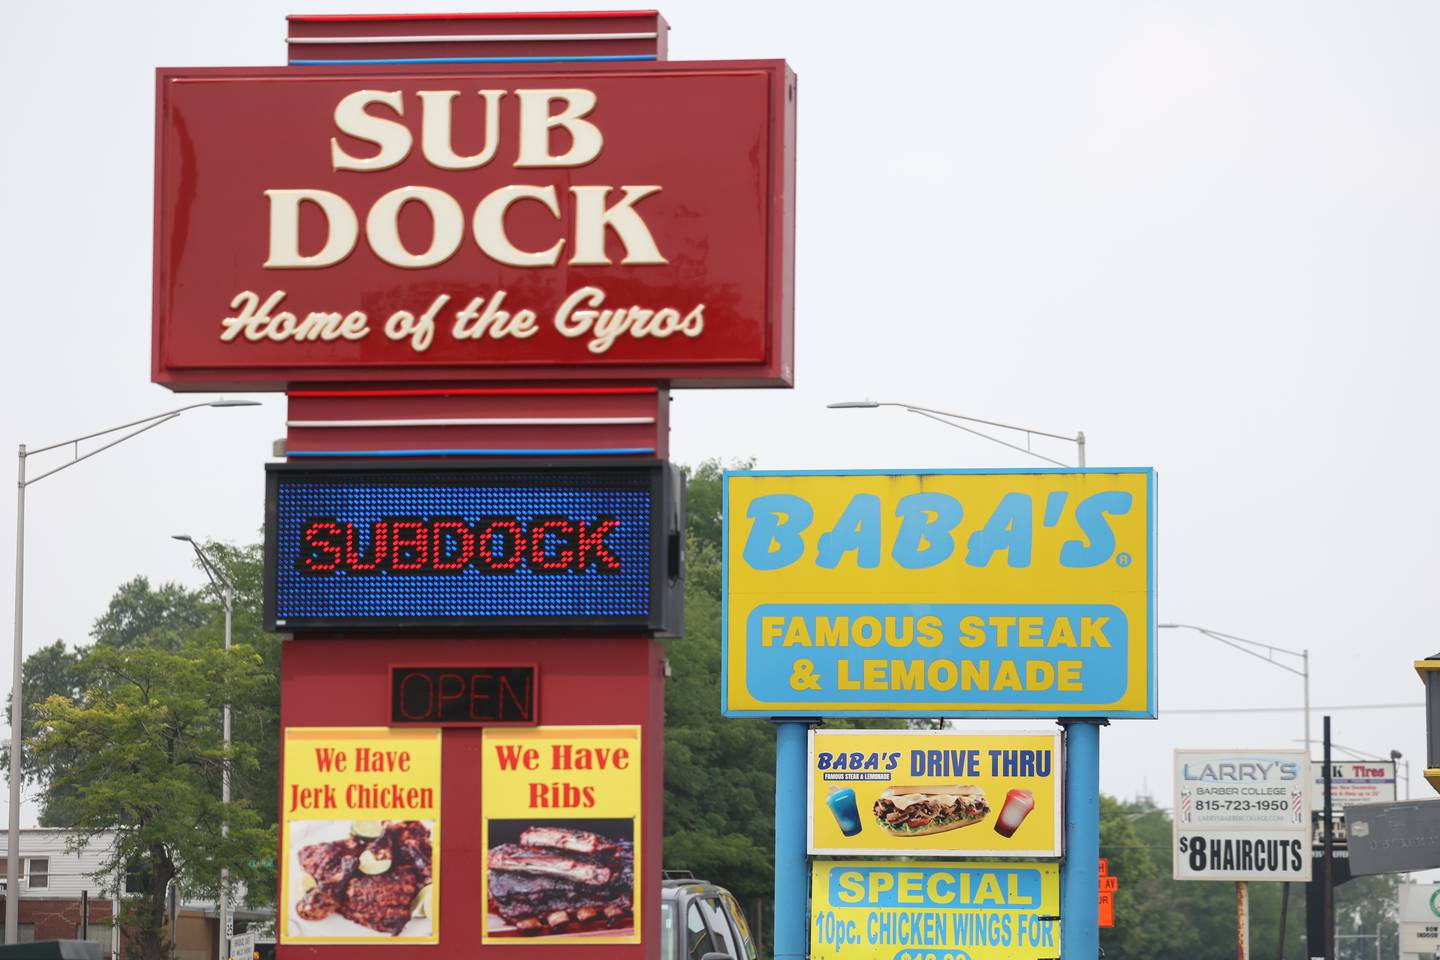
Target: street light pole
(17, 705)
(221, 583)
(1080, 934)
(1250, 647)
(1245, 646)
(1395, 756)
(949, 420)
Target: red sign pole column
(459, 244)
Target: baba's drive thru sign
(933, 793)
(1242, 815)
(360, 223)
(940, 593)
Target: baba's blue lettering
(927, 520)
(926, 533)
(1008, 529)
(1091, 516)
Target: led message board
(460, 696)
(368, 223)
(499, 546)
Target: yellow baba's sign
(970, 910)
(940, 593)
(561, 834)
(927, 793)
(360, 835)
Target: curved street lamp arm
(133, 423)
(151, 425)
(988, 423)
(218, 580)
(948, 418)
(1231, 639)
(1258, 656)
(144, 424)
(1004, 443)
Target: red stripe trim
(477, 392)
(390, 17)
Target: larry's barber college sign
(356, 224)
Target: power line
(1335, 709)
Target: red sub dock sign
(422, 223)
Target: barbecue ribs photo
(559, 880)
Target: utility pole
(1329, 829)
(1330, 872)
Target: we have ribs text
(561, 795)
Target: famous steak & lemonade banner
(934, 794)
(360, 835)
(562, 809)
(939, 593)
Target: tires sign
(1241, 815)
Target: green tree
(719, 772)
(139, 753)
(148, 622)
(1367, 907)
(49, 671)
(1157, 916)
(255, 718)
(141, 615)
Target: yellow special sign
(561, 833)
(895, 910)
(945, 593)
(360, 835)
(934, 794)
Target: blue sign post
(1080, 870)
(792, 866)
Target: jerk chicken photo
(378, 876)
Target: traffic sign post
(1242, 815)
(1108, 887)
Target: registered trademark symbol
(1123, 559)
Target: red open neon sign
(463, 695)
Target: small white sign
(1352, 781)
(242, 947)
(1420, 902)
(1421, 938)
(1242, 815)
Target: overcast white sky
(1204, 233)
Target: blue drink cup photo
(842, 804)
